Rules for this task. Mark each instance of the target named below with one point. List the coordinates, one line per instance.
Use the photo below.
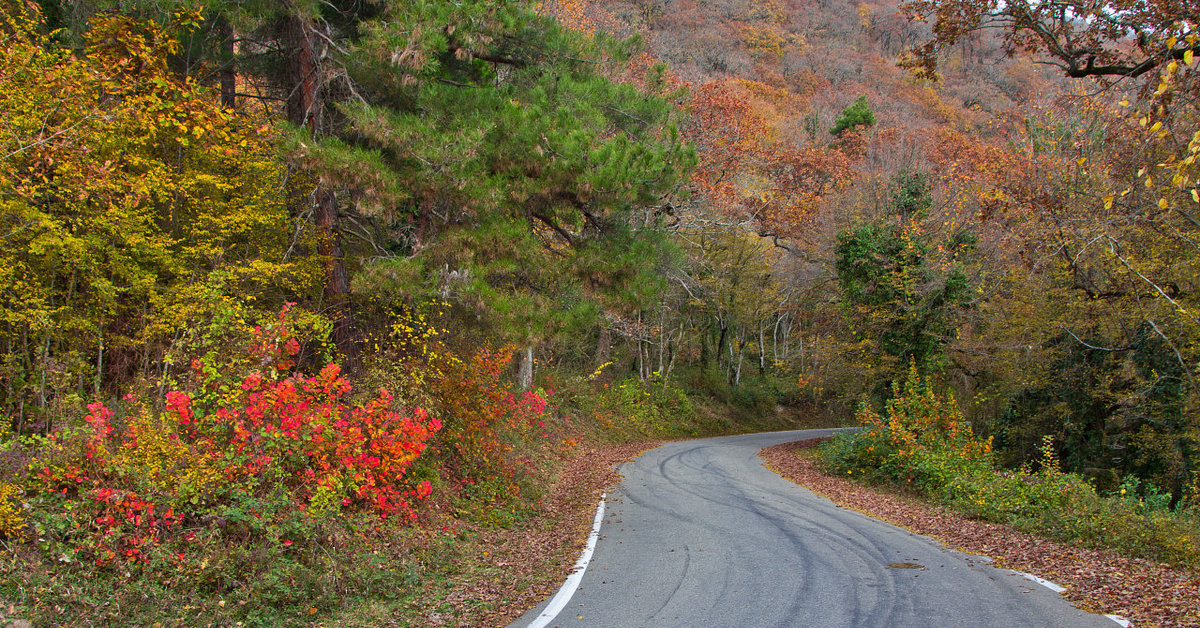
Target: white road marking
(1054, 586)
(560, 599)
(1042, 581)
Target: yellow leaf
(1081, 161)
(1162, 203)
(1188, 57)
(1171, 41)
(1108, 201)
(1195, 195)
(1156, 126)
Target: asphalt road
(699, 533)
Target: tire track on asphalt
(701, 533)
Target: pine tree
(502, 166)
(856, 115)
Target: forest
(293, 290)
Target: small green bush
(756, 396)
(857, 114)
(922, 444)
(632, 408)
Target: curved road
(699, 533)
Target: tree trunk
(787, 334)
(8, 387)
(663, 339)
(337, 280)
(731, 377)
(44, 359)
(641, 361)
(741, 356)
(604, 345)
(762, 351)
(304, 104)
(721, 341)
(647, 360)
(227, 74)
(672, 352)
(99, 359)
(525, 368)
(638, 342)
(305, 107)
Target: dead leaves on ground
(1147, 593)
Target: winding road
(700, 533)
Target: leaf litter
(1147, 593)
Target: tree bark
(304, 103)
(603, 345)
(762, 351)
(721, 341)
(337, 279)
(305, 107)
(525, 369)
(672, 353)
(228, 76)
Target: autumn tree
(288, 54)
(1084, 330)
(132, 202)
(742, 293)
(1109, 39)
(749, 174)
(902, 289)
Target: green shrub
(922, 444)
(632, 409)
(755, 396)
(856, 115)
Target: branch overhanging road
(700, 533)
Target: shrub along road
(701, 533)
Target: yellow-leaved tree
(131, 203)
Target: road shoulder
(537, 556)
(1149, 594)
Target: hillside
(1034, 190)
(303, 302)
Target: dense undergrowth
(253, 492)
(921, 444)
